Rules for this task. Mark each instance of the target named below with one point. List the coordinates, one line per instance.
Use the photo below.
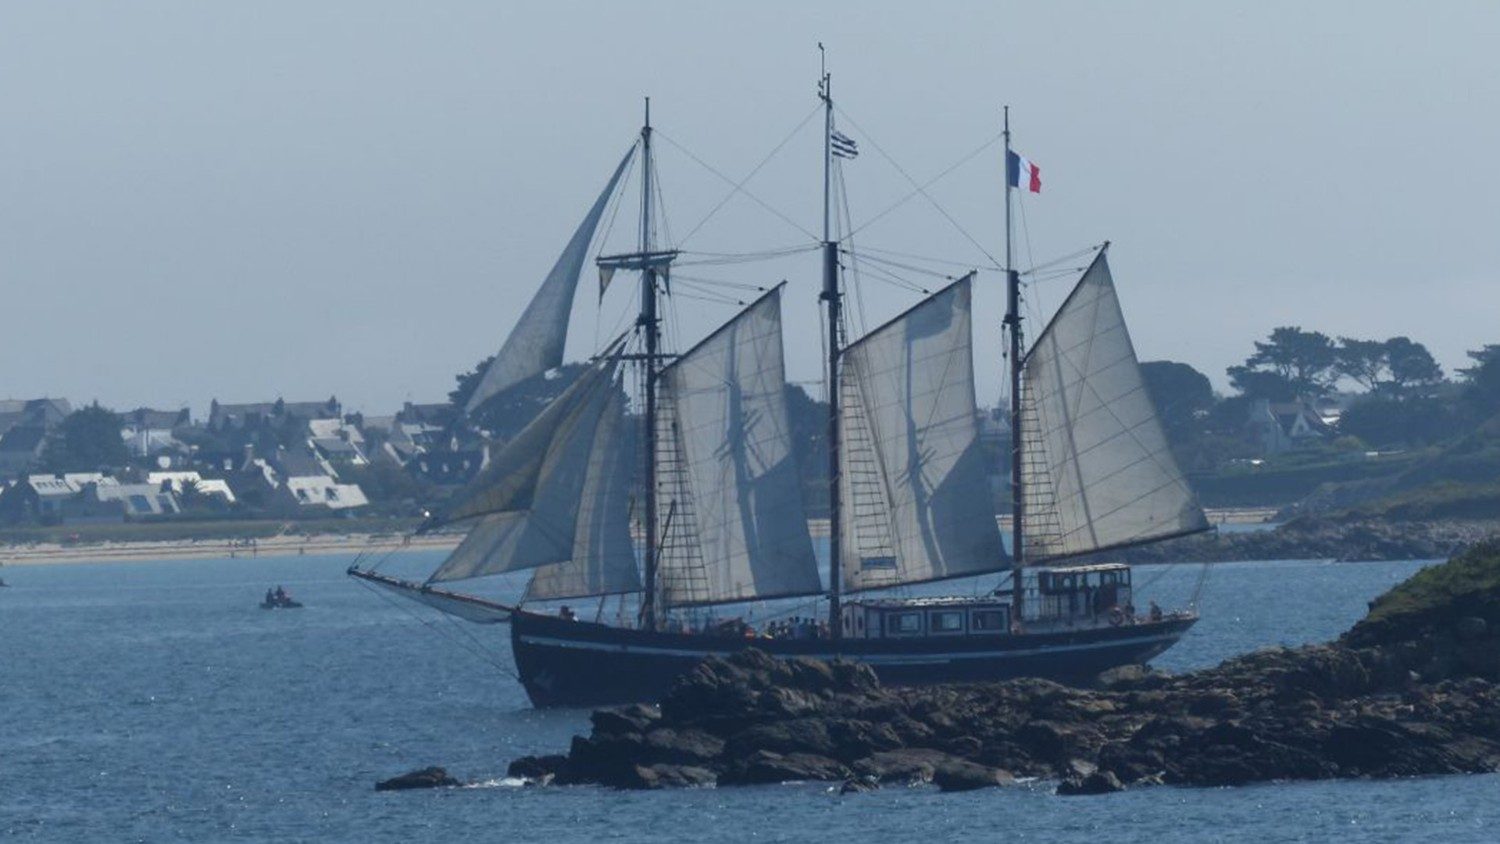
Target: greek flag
(843, 145)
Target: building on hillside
(137, 500)
(228, 417)
(321, 491)
(35, 498)
(1283, 426)
(436, 415)
(179, 480)
(449, 468)
(80, 479)
(149, 432)
(339, 442)
(42, 413)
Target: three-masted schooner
(707, 454)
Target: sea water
(156, 701)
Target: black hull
(573, 663)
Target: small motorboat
(279, 600)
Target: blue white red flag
(1022, 173)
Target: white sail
(510, 479)
(604, 559)
(528, 500)
(535, 345)
(911, 428)
(731, 518)
(1098, 451)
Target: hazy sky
(247, 200)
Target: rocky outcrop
(1410, 690)
(425, 778)
(1316, 538)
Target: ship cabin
(1079, 596)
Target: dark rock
(1099, 782)
(682, 747)
(425, 778)
(667, 776)
(958, 775)
(765, 767)
(857, 785)
(636, 718)
(536, 767)
(909, 765)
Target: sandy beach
(46, 553)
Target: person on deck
(1155, 611)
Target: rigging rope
(475, 647)
(762, 203)
(929, 183)
(739, 187)
(920, 189)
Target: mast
(649, 323)
(830, 295)
(1013, 325)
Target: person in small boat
(270, 597)
(281, 596)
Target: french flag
(1022, 173)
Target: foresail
(731, 517)
(527, 502)
(510, 479)
(535, 345)
(604, 560)
(1097, 455)
(917, 504)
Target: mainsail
(1096, 449)
(731, 513)
(910, 440)
(545, 488)
(535, 345)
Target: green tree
(1291, 362)
(1413, 369)
(88, 440)
(1365, 362)
(1482, 380)
(1182, 396)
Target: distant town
(1309, 416)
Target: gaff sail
(731, 513)
(535, 345)
(1098, 451)
(909, 440)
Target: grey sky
(239, 201)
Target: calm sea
(156, 702)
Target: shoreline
(138, 551)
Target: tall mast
(1013, 325)
(831, 296)
(649, 323)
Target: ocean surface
(157, 702)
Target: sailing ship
(706, 451)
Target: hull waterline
(571, 663)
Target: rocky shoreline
(1410, 690)
(1317, 538)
